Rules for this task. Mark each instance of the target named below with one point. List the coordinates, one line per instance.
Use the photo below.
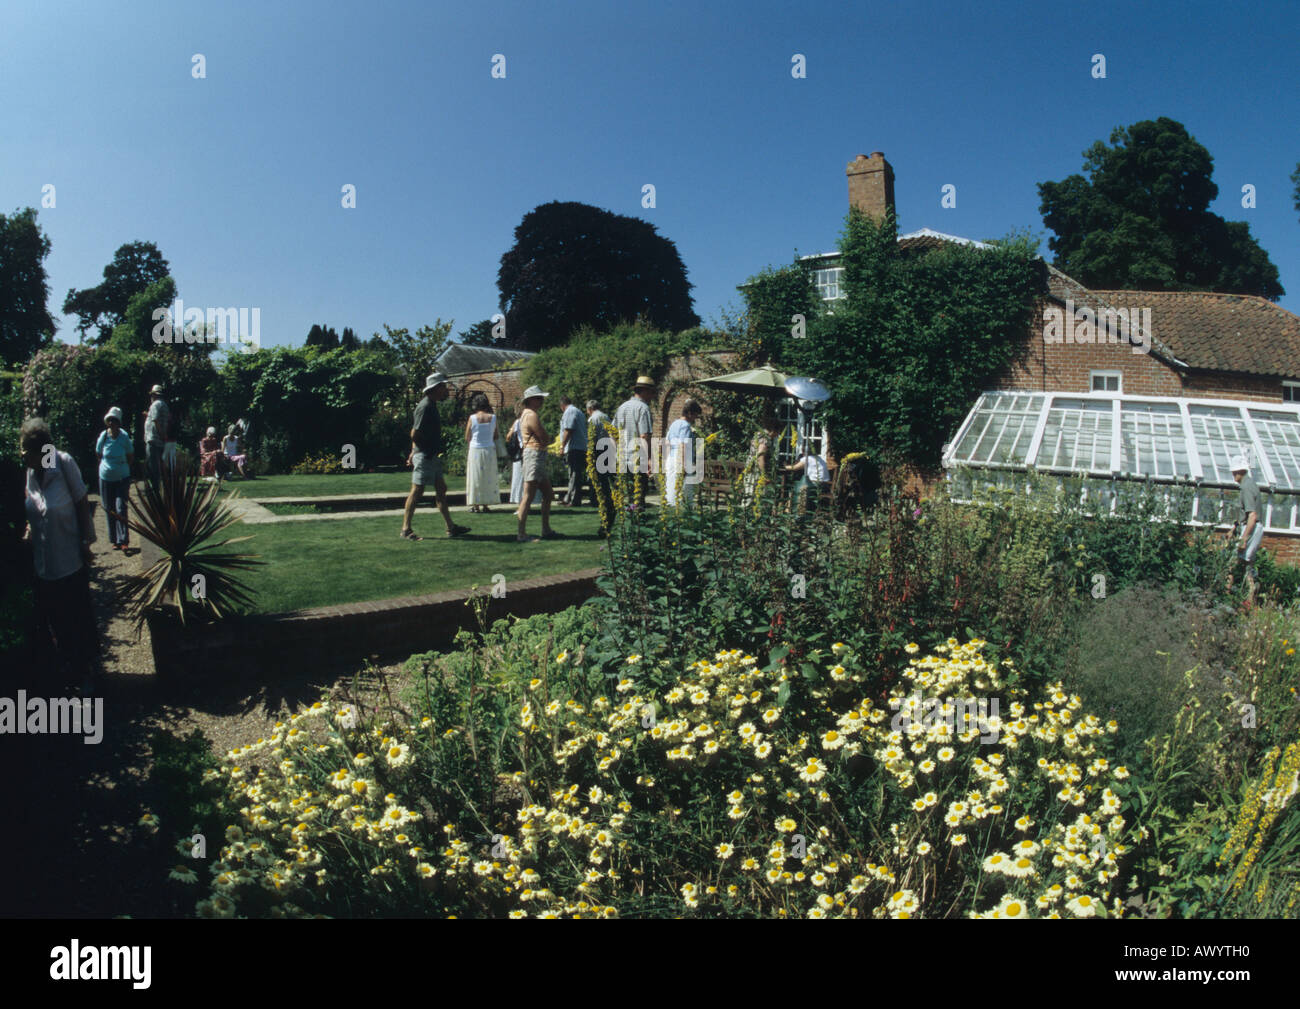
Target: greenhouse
(1120, 441)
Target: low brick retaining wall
(390, 629)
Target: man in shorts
(424, 460)
(1250, 519)
(537, 477)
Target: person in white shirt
(157, 425)
(482, 482)
(634, 422)
(816, 474)
(60, 530)
(682, 468)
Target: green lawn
(337, 561)
(315, 485)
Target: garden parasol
(764, 381)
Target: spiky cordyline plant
(181, 518)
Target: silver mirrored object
(808, 391)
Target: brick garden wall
(391, 629)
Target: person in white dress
(517, 470)
(482, 486)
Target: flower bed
(736, 791)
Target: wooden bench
(720, 476)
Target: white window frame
(1106, 373)
(1294, 389)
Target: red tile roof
(1241, 333)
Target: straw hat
(644, 382)
(435, 380)
(534, 392)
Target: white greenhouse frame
(1132, 438)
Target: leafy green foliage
(773, 298)
(914, 335)
(25, 322)
(1141, 219)
(575, 265)
(181, 518)
(604, 365)
(72, 387)
(135, 266)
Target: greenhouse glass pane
(1279, 437)
(1152, 441)
(1077, 435)
(1280, 509)
(1001, 429)
(1220, 433)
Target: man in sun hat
(425, 457)
(536, 474)
(634, 424)
(157, 423)
(1250, 520)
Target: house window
(1291, 392)
(828, 282)
(1107, 381)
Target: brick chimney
(871, 185)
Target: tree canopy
(914, 340)
(25, 321)
(1141, 219)
(135, 266)
(573, 264)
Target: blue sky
(237, 177)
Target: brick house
(1128, 386)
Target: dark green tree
(135, 266)
(573, 264)
(25, 321)
(773, 299)
(349, 341)
(1295, 177)
(1141, 219)
(916, 338)
(480, 335)
(323, 337)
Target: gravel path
(75, 849)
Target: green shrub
(749, 793)
(326, 462)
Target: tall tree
(323, 337)
(574, 264)
(1141, 219)
(1295, 177)
(135, 266)
(480, 335)
(349, 341)
(25, 321)
(414, 354)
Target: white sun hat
(114, 413)
(435, 380)
(534, 390)
(1238, 464)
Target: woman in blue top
(116, 454)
